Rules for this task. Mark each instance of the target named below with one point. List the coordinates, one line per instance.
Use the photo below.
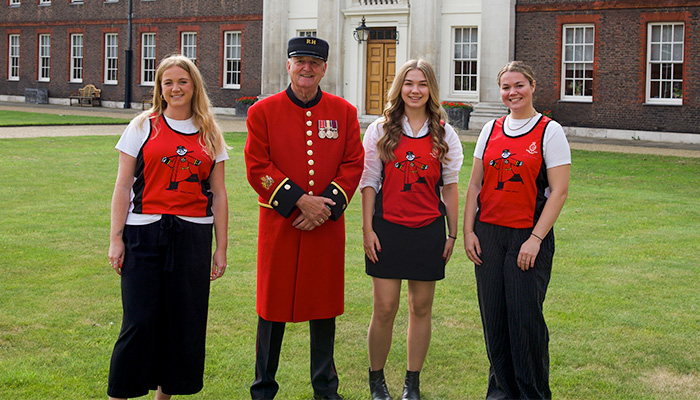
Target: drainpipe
(127, 61)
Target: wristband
(532, 234)
(452, 237)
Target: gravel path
(237, 124)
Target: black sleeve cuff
(337, 194)
(285, 198)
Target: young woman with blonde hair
(518, 186)
(409, 186)
(169, 193)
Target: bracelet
(532, 234)
(364, 233)
(452, 237)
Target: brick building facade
(615, 64)
(63, 45)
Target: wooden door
(381, 66)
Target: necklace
(515, 129)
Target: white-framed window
(44, 2)
(13, 57)
(76, 57)
(665, 42)
(111, 58)
(189, 45)
(306, 33)
(465, 59)
(14, 3)
(76, 1)
(577, 62)
(148, 59)
(44, 58)
(232, 59)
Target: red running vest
(515, 177)
(171, 174)
(410, 192)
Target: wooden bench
(89, 96)
(147, 101)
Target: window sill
(571, 100)
(663, 104)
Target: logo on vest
(182, 165)
(411, 168)
(506, 169)
(532, 149)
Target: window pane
(665, 52)
(678, 33)
(656, 33)
(678, 72)
(677, 90)
(655, 52)
(666, 33)
(678, 52)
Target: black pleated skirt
(409, 253)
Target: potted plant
(458, 113)
(244, 103)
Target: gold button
(308, 113)
(311, 193)
(275, 203)
(309, 142)
(287, 187)
(344, 206)
(335, 192)
(309, 133)
(308, 123)
(310, 152)
(311, 183)
(311, 162)
(311, 172)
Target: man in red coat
(304, 158)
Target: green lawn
(623, 305)
(21, 118)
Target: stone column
(424, 31)
(497, 49)
(330, 28)
(274, 46)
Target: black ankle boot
(377, 385)
(410, 387)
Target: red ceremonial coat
(294, 149)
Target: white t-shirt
(555, 147)
(131, 142)
(372, 174)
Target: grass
(22, 118)
(623, 305)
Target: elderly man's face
(306, 72)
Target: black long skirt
(409, 253)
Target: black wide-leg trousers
(165, 297)
(324, 378)
(510, 301)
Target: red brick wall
(619, 64)
(95, 18)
